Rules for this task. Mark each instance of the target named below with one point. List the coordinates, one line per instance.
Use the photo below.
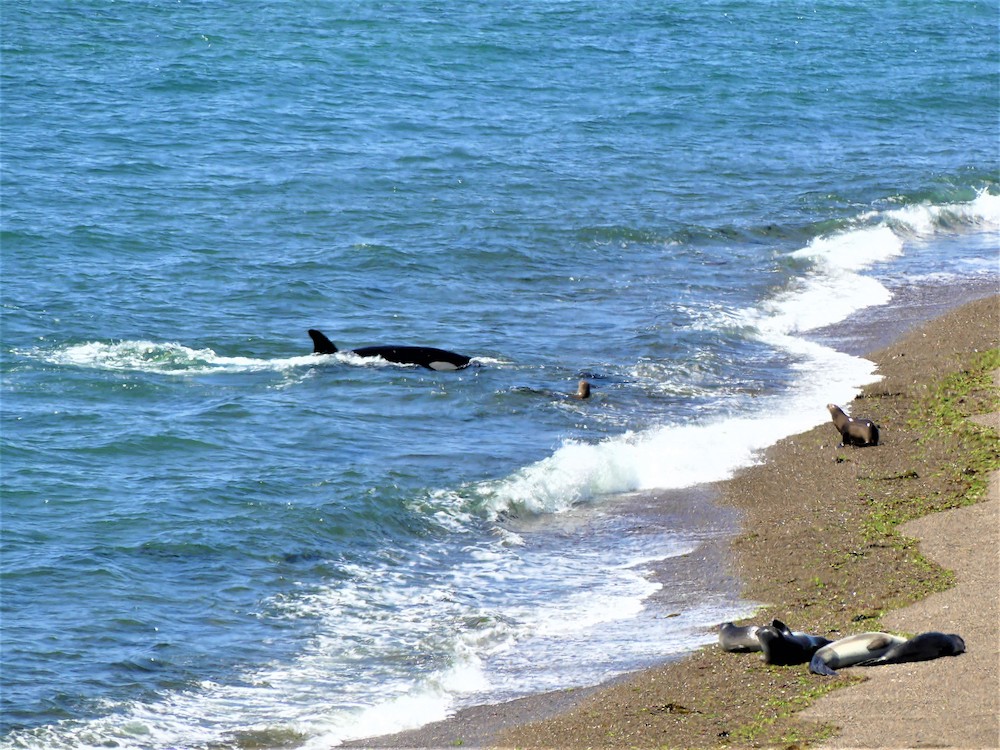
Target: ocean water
(212, 538)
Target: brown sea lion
(583, 390)
(853, 431)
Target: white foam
(177, 359)
(286, 697)
(168, 359)
(682, 455)
(927, 219)
(852, 250)
(350, 358)
(398, 645)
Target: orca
(425, 356)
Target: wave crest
(165, 358)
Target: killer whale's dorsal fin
(321, 344)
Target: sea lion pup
(923, 647)
(738, 639)
(783, 647)
(852, 650)
(583, 390)
(853, 431)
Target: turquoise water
(212, 538)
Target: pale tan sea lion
(852, 650)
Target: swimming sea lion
(923, 647)
(853, 431)
(736, 638)
(783, 647)
(583, 390)
(852, 650)
(425, 356)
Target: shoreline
(799, 553)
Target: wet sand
(810, 552)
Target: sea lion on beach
(923, 647)
(425, 356)
(738, 639)
(854, 649)
(853, 431)
(781, 646)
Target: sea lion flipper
(818, 666)
(880, 642)
(872, 662)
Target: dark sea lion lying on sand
(783, 647)
(923, 647)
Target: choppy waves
(322, 547)
(450, 628)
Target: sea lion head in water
(583, 390)
(853, 431)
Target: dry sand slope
(950, 702)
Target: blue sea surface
(212, 537)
